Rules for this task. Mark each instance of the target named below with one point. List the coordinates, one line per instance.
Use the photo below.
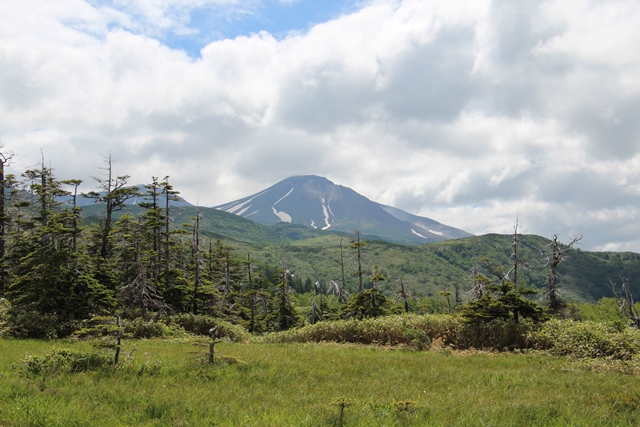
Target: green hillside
(314, 255)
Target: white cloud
(471, 113)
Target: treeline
(56, 272)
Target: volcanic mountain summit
(318, 203)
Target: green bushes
(105, 326)
(4, 317)
(200, 325)
(59, 361)
(611, 340)
(171, 326)
(408, 329)
(415, 331)
(498, 334)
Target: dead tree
(404, 295)
(553, 260)
(625, 300)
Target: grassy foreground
(169, 383)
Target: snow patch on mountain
(438, 233)
(241, 212)
(325, 211)
(284, 217)
(418, 234)
(313, 225)
(234, 208)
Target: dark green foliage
(613, 340)
(139, 261)
(52, 287)
(367, 304)
(201, 325)
(62, 361)
(504, 301)
(408, 330)
(284, 315)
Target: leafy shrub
(5, 306)
(200, 325)
(97, 326)
(25, 323)
(497, 334)
(138, 328)
(613, 340)
(406, 329)
(63, 360)
(105, 326)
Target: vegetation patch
(63, 360)
(408, 330)
(587, 340)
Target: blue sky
(472, 113)
(214, 22)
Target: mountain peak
(316, 202)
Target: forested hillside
(62, 263)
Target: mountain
(318, 203)
(82, 201)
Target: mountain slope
(318, 203)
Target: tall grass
(167, 382)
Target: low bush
(407, 329)
(59, 361)
(26, 323)
(172, 326)
(201, 325)
(107, 326)
(582, 340)
(497, 334)
(4, 317)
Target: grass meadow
(168, 382)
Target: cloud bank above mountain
(470, 113)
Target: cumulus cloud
(470, 113)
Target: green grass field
(168, 382)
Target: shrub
(63, 360)
(5, 306)
(612, 340)
(497, 334)
(25, 323)
(200, 325)
(105, 326)
(406, 329)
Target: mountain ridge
(318, 203)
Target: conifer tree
(51, 285)
(7, 182)
(113, 193)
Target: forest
(63, 263)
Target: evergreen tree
(285, 314)
(51, 284)
(499, 298)
(7, 182)
(113, 193)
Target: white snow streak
(243, 210)
(313, 225)
(325, 211)
(439, 233)
(234, 208)
(418, 234)
(284, 217)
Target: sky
(476, 114)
